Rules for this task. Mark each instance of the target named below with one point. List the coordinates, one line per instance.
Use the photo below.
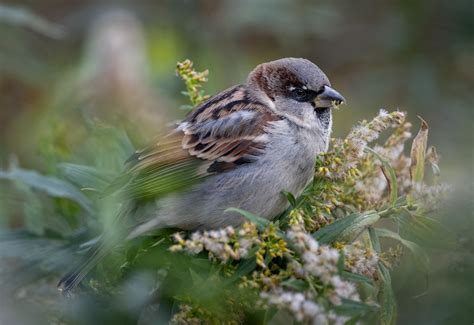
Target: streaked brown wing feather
(226, 131)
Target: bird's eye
(300, 92)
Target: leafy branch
(193, 81)
(321, 260)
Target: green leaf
(389, 174)
(354, 277)
(196, 278)
(245, 267)
(260, 222)
(374, 240)
(340, 263)
(86, 176)
(421, 257)
(269, 314)
(426, 231)
(290, 197)
(354, 308)
(296, 284)
(346, 229)
(386, 298)
(329, 233)
(53, 186)
(20, 16)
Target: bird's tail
(107, 243)
(71, 280)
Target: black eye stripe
(302, 95)
(300, 91)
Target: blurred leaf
(354, 308)
(197, 280)
(340, 263)
(346, 229)
(354, 277)
(16, 15)
(33, 209)
(426, 231)
(248, 265)
(296, 284)
(86, 176)
(55, 187)
(260, 222)
(389, 174)
(244, 268)
(34, 257)
(27, 245)
(114, 143)
(290, 197)
(374, 240)
(386, 298)
(420, 255)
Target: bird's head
(299, 89)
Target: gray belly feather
(286, 165)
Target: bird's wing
(227, 130)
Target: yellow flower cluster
(193, 81)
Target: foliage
(321, 261)
(16, 15)
(193, 81)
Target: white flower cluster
(302, 307)
(368, 132)
(372, 187)
(184, 316)
(321, 262)
(360, 260)
(395, 144)
(222, 244)
(430, 197)
(374, 184)
(365, 133)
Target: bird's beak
(329, 97)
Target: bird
(242, 148)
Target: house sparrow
(241, 148)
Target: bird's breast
(291, 155)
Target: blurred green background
(115, 61)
